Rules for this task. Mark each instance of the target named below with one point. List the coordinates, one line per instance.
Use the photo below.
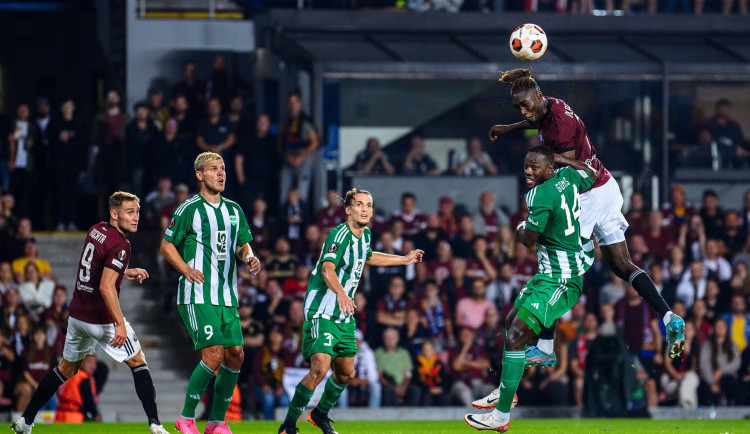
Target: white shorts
(83, 337)
(601, 214)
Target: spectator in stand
(261, 227)
(31, 256)
(417, 162)
(640, 254)
(432, 376)
(638, 216)
(157, 110)
(296, 286)
(658, 239)
(282, 263)
(428, 238)
(740, 282)
(745, 215)
(365, 388)
(268, 374)
(253, 338)
(440, 267)
(524, 264)
(414, 220)
(6, 278)
(738, 321)
(373, 160)
(507, 288)
(20, 233)
(214, 132)
(492, 336)
(108, 134)
(488, 218)
(734, 235)
(677, 212)
(294, 214)
(395, 372)
(365, 317)
(42, 162)
(639, 327)
(237, 118)
(414, 332)
(680, 378)
(463, 244)
(156, 201)
(667, 289)
(474, 161)
(578, 352)
(184, 115)
(381, 276)
(55, 318)
(469, 365)
(8, 365)
(703, 326)
(693, 285)
(447, 216)
(189, 86)
(613, 291)
(712, 215)
(36, 292)
(20, 338)
(22, 142)
(692, 238)
(141, 135)
(12, 310)
(332, 215)
(174, 155)
(718, 366)
(504, 248)
(36, 361)
(675, 266)
(714, 263)
(716, 302)
(257, 163)
(297, 142)
(222, 84)
(521, 215)
(307, 249)
(479, 266)
(6, 129)
(391, 309)
(470, 311)
(437, 315)
(724, 130)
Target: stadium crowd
(429, 333)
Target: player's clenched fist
(120, 336)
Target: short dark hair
(549, 156)
(711, 193)
(723, 102)
(408, 195)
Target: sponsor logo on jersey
(81, 287)
(333, 248)
(122, 255)
(171, 224)
(117, 263)
(221, 245)
(532, 221)
(233, 220)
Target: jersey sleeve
(334, 248)
(178, 227)
(117, 258)
(540, 208)
(580, 178)
(244, 235)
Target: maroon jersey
(104, 247)
(562, 131)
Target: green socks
(331, 394)
(223, 390)
(513, 365)
(196, 386)
(299, 402)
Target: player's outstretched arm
(567, 160)
(246, 255)
(501, 130)
(170, 253)
(385, 260)
(109, 294)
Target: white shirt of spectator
(21, 135)
(686, 291)
(720, 266)
(474, 168)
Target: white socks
(667, 317)
(500, 416)
(545, 345)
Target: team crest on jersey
(171, 224)
(233, 220)
(333, 248)
(122, 255)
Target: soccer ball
(528, 42)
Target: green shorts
(546, 298)
(210, 325)
(320, 335)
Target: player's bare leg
(319, 365)
(144, 388)
(223, 389)
(490, 401)
(617, 257)
(343, 373)
(211, 358)
(47, 388)
(519, 334)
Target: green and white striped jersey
(554, 209)
(207, 236)
(349, 254)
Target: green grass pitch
(576, 426)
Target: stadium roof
(378, 44)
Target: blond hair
(119, 197)
(204, 158)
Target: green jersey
(348, 254)
(207, 236)
(554, 208)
